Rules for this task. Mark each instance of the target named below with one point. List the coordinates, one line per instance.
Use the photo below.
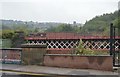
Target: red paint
(63, 35)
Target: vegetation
(10, 36)
(5, 43)
(99, 25)
(29, 26)
(80, 50)
(64, 28)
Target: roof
(62, 35)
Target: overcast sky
(65, 11)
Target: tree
(14, 37)
(7, 34)
(100, 24)
(63, 28)
(117, 24)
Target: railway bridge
(67, 41)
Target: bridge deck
(43, 70)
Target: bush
(80, 50)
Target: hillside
(14, 24)
(99, 25)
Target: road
(43, 71)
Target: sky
(65, 11)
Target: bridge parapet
(71, 40)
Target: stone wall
(33, 54)
(59, 51)
(81, 62)
(10, 55)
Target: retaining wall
(82, 62)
